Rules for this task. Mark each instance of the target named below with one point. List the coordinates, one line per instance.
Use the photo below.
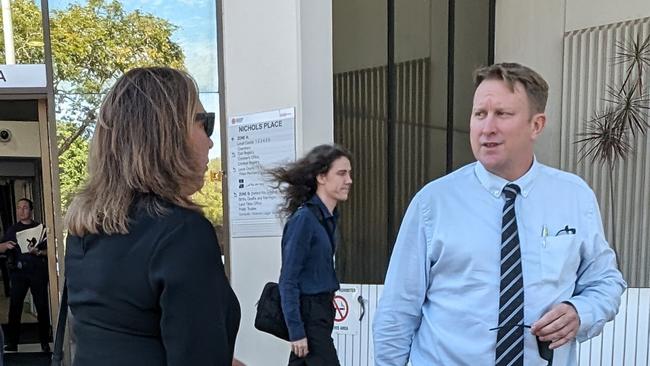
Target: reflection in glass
(26, 30)
(360, 124)
(406, 119)
(95, 42)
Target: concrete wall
(275, 54)
(24, 139)
(532, 32)
(582, 14)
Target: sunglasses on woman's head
(207, 118)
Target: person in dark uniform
(4, 247)
(28, 271)
(312, 186)
(146, 284)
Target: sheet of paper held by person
(29, 238)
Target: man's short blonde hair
(534, 84)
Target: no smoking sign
(342, 308)
(346, 310)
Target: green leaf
(92, 44)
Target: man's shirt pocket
(560, 258)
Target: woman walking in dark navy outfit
(312, 186)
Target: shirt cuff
(296, 334)
(587, 328)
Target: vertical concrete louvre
(591, 67)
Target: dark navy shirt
(307, 261)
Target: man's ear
(538, 123)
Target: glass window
(402, 100)
(95, 41)
(21, 40)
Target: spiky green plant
(609, 133)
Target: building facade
(392, 81)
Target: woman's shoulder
(167, 216)
(302, 214)
(174, 222)
(183, 214)
(183, 226)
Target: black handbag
(269, 317)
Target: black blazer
(156, 296)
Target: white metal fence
(357, 349)
(625, 341)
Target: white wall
(531, 32)
(582, 14)
(24, 139)
(276, 54)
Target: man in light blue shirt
(443, 299)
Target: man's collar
(494, 184)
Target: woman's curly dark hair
(297, 181)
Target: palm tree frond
(629, 108)
(604, 140)
(636, 54)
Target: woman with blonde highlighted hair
(146, 284)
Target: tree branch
(90, 118)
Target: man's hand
(7, 245)
(559, 325)
(36, 251)
(300, 347)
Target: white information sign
(348, 310)
(257, 142)
(22, 76)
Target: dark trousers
(32, 276)
(317, 313)
(5, 275)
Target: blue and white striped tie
(510, 336)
